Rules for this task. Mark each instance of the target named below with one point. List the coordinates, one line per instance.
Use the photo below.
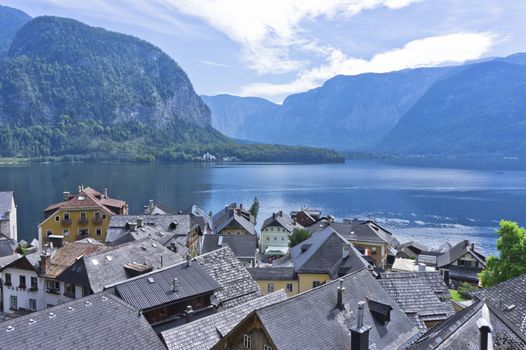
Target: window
(282, 238)
(53, 286)
(7, 279)
(238, 233)
(83, 232)
(85, 292)
(270, 287)
(267, 347)
(57, 218)
(99, 231)
(373, 250)
(104, 216)
(70, 290)
(316, 284)
(33, 304)
(82, 215)
(268, 238)
(66, 232)
(34, 283)
(290, 287)
(49, 232)
(22, 283)
(247, 342)
(13, 302)
(275, 238)
(97, 215)
(66, 217)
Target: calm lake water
(432, 201)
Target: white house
(275, 233)
(8, 225)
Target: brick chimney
(360, 333)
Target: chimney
(294, 221)
(273, 216)
(66, 195)
(188, 260)
(105, 192)
(281, 213)
(140, 222)
(189, 314)
(175, 284)
(80, 189)
(341, 290)
(226, 208)
(360, 333)
(346, 251)
(151, 204)
(241, 206)
(472, 247)
(132, 225)
(484, 329)
(421, 267)
(45, 259)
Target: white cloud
(426, 52)
(269, 29)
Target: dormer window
(380, 311)
(81, 197)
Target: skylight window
(95, 262)
(81, 198)
(151, 280)
(109, 258)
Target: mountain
(71, 91)
(347, 112)
(234, 116)
(11, 20)
(478, 110)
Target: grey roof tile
(98, 321)
(280, 219)
(272, 273)
(456, 252)
(206, 332)
(243, 246)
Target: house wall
(468, 257)
(380, 256)
(263, 284)
(305, 280)
(23, 295)
(233, 231)
(9, 227)
(58, 227)
(275, 236)
(251, 327)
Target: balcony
(97, 220)
(83, 221)
(65, 222)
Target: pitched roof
(206, 332)
(507, 300)
(457, 251)
(233, 215)
(243, 246)
(278, 219)
(156, 288)
(237, 284)
(417, 293)
(67, 255)
(312, 320)
(364, 231)
(323, 253)
(88, 198)
(272, 273)
(8, 259)
(462, 332)
(107, 267)
(94, 322)
(6, 199)
(433, 278)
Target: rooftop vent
(109, 258)
(71, 308)
(151, 280)
(104, 298)
(31, 321)
(10, 329)
(87, 303)
(52, 315)
(154, 245)
(510, 307)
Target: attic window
(95, 262)
(173, 225)
(151, 280)
(81, 198)
(380, 311)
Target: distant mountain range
(477, 108)
(75, 91)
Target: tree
(254, 208)
(511, 261)
(298, 236)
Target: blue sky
(273, 48)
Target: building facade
(275, 233)
(8, 223)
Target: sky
(275, 48)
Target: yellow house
(82, 215)
(325, 256)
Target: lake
(428, 200)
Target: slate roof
(272, 273)
(7, 246)
(279, 219)
(107, 267)
(6, 199)
(206, 332)
(322, 253)
(507, 300)
(364, 231)
(461, 332)
(464, 273)
(156, 225)
(200, 216)
(6, 260)
(232, 216)
(418, 294)
(94, 322)
(155, 288)
(312, 320)
(67, 255)
(456, 252)
(243, 246)
(237, 284)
